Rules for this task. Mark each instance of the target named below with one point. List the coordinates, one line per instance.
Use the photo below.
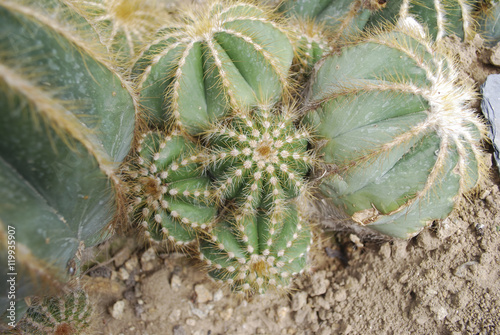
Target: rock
(132, 265)
(490, 105)
(123, 274)
(218, 295)
(117, 309)
(203, 295)
(299, 300)
(340, 295)
(175, 315)
(319, 283)
(175, 282)
(226, 314)
(149, 260)
(191, 322)
(179, 330)
(385, 250)
(121, 256)
(282, 313)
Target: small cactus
(66, 315)
(489, 23)
(403, 143)
(169, 193)
(260, 159)
(228, 54)
(254, 253)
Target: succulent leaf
(402, 139)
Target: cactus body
(342, 18)
(253, 253)
(169, 193)
(229, 54)
(489, 22)
(402, 141)
(442, 17)
(69, 314)
(67, 122)
(259, 159)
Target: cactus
(67, 123)
(258, 159)
(65, 315)
(253, 253)
(403, 143)
(489, 22)
(123, 25)
(342, 18)
(169, 194)
(441, 17)
(226, 55)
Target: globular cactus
(254, 253)
(67, 122)
(169, 193)
(64, 315)
(441, 17)
(122, 25)
(402, 141)
(258, 158)
(227, 54)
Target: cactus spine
(402, 140)
(228, 54)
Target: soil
(444, 281)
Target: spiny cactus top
(259, 158)
(256, 252)
(228, 53)
(66, 315)
(402, 137)
(169, 193)
(122, 25)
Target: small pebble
(117, 309)
(191, 322)
(148, 260)
(226, 314)
(218, 295)
(175, 282)
(203, 295)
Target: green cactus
(169, 194)
(65, 315)
(441, 17)
(343, 18)
(67, 122)
(403, 143)
(123, 25)
(489, 23)
(254, 253)
(228, 54)
(259, 159)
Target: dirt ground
(444, 281)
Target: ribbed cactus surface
(254, 253)
(260, 158)
(64, 315)
(169, 193)
(66, 124)
(489, 22)
(403, 143)
(224, 55)
(441, 17)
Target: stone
(203, 295)
(490, 105)
(299, 300)
(175, 282)
(191, 322)
(218, 295)
(282, 313)
(340, 295)
(132, 264)
(117, 309)
(319, 283)
(123, 274)
(175, 315)
(226, 314)
(385, 250)
(121, 256)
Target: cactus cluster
(195, 129)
